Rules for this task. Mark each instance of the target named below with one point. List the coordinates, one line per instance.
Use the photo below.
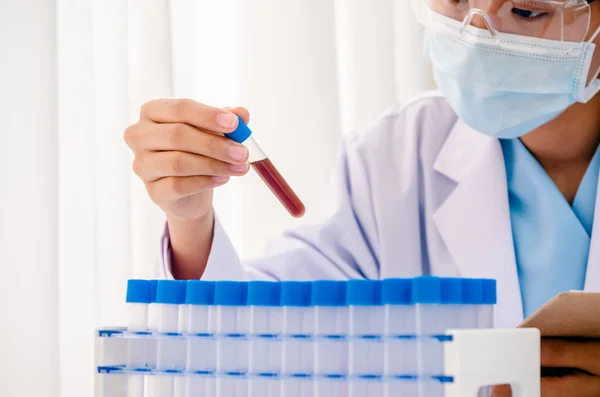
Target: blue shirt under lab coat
(552, 238)
(416, 192)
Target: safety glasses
(558, 20)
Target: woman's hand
(579, 362)
(181, 155)
(570, 368)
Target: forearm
(191, 241)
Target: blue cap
(231, 293)
(364, 293)
(472, 291)
(397, 291)
(170, 292)
(264, 293)
(328, 293)
(296, 293)
(140, 291)
(427, 289)
(241, 133)
(154, 284)
(451, 291)
(200, 292)
(489, 292)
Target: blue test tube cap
(140, 291)
(154, 287)
(489, 292)
(264, 293)
(397, 291)
(231, 293)
(170, 292)
(328, 293)
(472, 291)
(364, 293)
(451, 293)
(200, 292)
(296, 293)
(427, 290)
(241, 133)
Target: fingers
(579, 385)
(188, 111)
(156, 165)
(583, 355)
(181, 155)
(242, 112)
(184, 138)
(501, 391)
(171, 189)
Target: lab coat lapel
(592, 279)
(474, 221)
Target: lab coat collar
(474, 220)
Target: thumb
(240, 111)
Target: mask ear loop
(595, 35)
(593, 87)
(591, 40)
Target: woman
(494, 176)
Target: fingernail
(237, 152)
(238, 168)
(220, 179)
(226, 120)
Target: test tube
(400, 355)
(426, 294)
(233, 327)
(171, 347)
(267, 171)
(298, 331)
(451, 302)
(472, 294)
(431, 325)
(367, 323)
(396, 386)
(201, 344)
(400, 327)
(182, 328)
(331, 328)
(266, 326)
(140, 293)
(152, 342)
(485, 316)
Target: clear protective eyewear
(567, 21)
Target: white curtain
(75, 223)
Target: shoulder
(419, 126)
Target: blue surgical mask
(508, 90)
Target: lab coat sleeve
(340, 244)
(223, 261)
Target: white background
(75, 223)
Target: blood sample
(267, 171)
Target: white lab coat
(417, 192)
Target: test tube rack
(419, 337)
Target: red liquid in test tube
(267, 171)
(269, 174)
